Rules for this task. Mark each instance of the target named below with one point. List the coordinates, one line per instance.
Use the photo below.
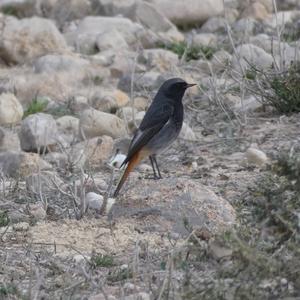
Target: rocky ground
(75, 80)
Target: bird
(159, 128)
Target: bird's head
(174, 88)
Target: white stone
(256, 157)
(94, 200)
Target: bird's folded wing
(152, 123)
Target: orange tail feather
(135, 160)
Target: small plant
(280, 90)
(120, 274)
(190, 52)
(4, 219)
(97, 80)
(6, 290)
(37, 105)
(100, 260)
(9, 10)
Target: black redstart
(159, 128)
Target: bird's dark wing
(154, 120)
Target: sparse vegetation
(190, 52)
(278, 89)
(4, 220)
(265, 260)
(37, 105)
(100, 260)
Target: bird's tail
(130, 166)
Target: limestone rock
(11, 111)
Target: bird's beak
(190, 85)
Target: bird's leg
(155, 161)
(153, 166)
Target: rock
(187, 133)
(9, 141)
(255, 10)
(126, 113)
(141, 103)
(15, 163)
(11, 111)
(57, 159)
(79, 258)
(94, 201)
(149, 81)
(159, 59)
(150, 17)
(93, 152)
(246, 27)
(256, 157)
(111, 40)
(249, 53)
(115, 7)
(175, 201)
(55, 63)
(96, 123)
(43, 182)
(63, 11)
(109, 101)
(218, 251)
(25, 39)
(32, 163)
(38, 131)
(84, 37)
(214, 25)
(189, 12)
(78, 104)
(248, 105)
(68, 128)
(10, 162)
(204, 39)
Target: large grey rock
(17, 163)
(53, 63)
(11, 111)
(84, 37)
(25, 39)
(96, 123)
(249, 54)
(38, 131)
(175, 202)
(189, 11)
